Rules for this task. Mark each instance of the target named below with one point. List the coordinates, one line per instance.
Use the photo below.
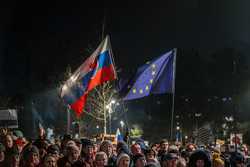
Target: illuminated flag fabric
(97, 69)
(154, 77)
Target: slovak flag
(97, 69)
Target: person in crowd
(87, 153)
(181, 162)
(169, 160)
(14, 158)
(155, 147)
(42, 145)
(101, 159)
(30, 156)
(49, 161)
(199, 158)
(139, 160)
(54, 150)
(78, 144)
(141, 144)
(2, 155)
(163, 148)
(122, 147)
(217, 162)
(71, 157)
(237, 159)
(107, 147)
(136, 149)
(150, 155)
(123, 160)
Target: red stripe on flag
(78, 105)
(102, 75)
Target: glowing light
(134, 90)
(141, 91)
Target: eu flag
(155, 77)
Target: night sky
(39, 40)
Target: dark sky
(39, 40)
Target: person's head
(31, 155)
(140, 160)
(54, 151)
(136, 149)
(190, 147)
(164, 145)
(122, 147)
(8, 141)
(20, 142)
(101, 159)
(42, 145)
(107, 147)
(150, 154)
(87, 147)
(155, 147)
(123, 160)
(199, 158)
(50, 161)
(237, 159)
(169, 160)
(73, 153)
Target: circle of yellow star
(147, 88)
(151, 81)
(134, 90)
(153, 65)
(141, 91)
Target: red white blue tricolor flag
(97, 69)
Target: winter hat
(236, 157)
(120, 157)
(168, 156)
(105, 143)
(122, 147)
(199, 155)
(18, 133)
(28, 150)
(86, 142)
(53, 149)
(141, 143)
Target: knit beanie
(122, 155)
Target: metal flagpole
(68, 119)
(173, 96)
(104, 103)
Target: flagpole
(173, 96)
(68, 119)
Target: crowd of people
(17, 151)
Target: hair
(163, 141)
(99, 154)
(122, 155)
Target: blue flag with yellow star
(154, 77)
